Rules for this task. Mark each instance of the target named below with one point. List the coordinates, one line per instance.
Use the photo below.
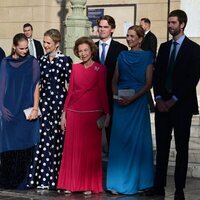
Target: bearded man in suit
(177, 73)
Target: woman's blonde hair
(54, 34)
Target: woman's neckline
(88, 65)
(138, 49)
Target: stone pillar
(76, 25)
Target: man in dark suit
(2, 54)
(106, 26)
(149, 44)
(150, 41)
(35, 47)
(177, 73)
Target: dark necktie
(168, 82)
(103, 53)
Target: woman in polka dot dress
(55, 72)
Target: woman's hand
(7, 115)
(63, 121)
(33, 115)
(107, 121)
(124, 101)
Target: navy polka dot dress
(47, 157)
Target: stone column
(76, 25)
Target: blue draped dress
(130, 164)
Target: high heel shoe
(87, 192)
(67, 192)
(114, 192)
(42, 187)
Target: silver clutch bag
(27, 112)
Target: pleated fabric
(81, 167)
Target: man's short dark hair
(28, 25)
(181, 15)
(146, 20)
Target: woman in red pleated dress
(86, 102)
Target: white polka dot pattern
(46, 162)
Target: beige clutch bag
(100, 121)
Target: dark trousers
(108, 131)
(179, 120)
(150, 102)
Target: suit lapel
(147, 35)
(181, 51)
(166, 54)
(97, 59)
(110, 52)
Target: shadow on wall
(62, 15)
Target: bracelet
(35, 109)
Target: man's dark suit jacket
(186, 74)
(2, 54)
(39, 49)
(150, 43)
(111, 58)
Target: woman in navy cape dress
(19, 90)
(130, 164)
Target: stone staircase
(194, 151)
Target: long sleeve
(68, 68)
(70, 91)
(36, 72)
(190, 73)
(2, 81)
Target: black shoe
(155, 192)
(179, 195)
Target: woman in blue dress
(55, 72)
(130, 164)
(19, 90)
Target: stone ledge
(193, 169)
(194, 149)
(194, 156)
(195, 119)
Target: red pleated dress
(81, 166)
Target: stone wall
(194, 148)
(42, 14)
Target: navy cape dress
(18, 80)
